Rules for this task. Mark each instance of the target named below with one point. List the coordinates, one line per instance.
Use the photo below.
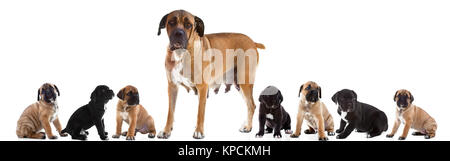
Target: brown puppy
(189, 43)
(314, 112)
(40, 114)
(412, 116)
(130, 111)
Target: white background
(372, 47)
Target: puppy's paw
(340, 136)
(130, 138)
(116, 136)
(106, 133)
(198, 135)
(259, 134)
(389, 135)
(288, 131)
(53, 137)
(295, 135)
(331, 133)
(104, 137)
(401, 138)
(41, 135)
(339, 130)
(277, 135)
(63, 134)
(428, 136)
(151, 135)
(309, 131)
(323, 138)
(163, 135)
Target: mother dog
(186, 35)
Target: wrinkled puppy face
(271, 98)
(311, 91)
(346, 100)
(404, 98)
(48, 93)
(130, 95)
(181, 26)
(102, 94)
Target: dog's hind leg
(151, 127)
(247, 93)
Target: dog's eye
(171, 23)
(187, 25)
(129, 93)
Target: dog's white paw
(198, 135)
(163, 135)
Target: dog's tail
(260, 46)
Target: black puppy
(359, 116)
(89, 115)
(272, 114)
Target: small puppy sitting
(412, 116)
(40, 114)
(314, 112)
(359, 116)
(89, 115)
(130, 111)
(272, 114)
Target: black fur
(270, 103)
(199, 26)
(360, 116)
(162, 23)
(89, 115)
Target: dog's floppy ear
(121, 94)
(39, 94)
(411, 97)
(260, 99)
(395, 96)
(199, 26)
(93, 95)
(335, 97)
(57, 90)
(320, 92)
(162, 24)
(279, 96)
(300, 91)
(354, 94)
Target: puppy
(40, 114)
(359, 116)
(272, 113)
(89, 115)
(412, 116)
(130, 111)
(314, 112)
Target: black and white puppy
(89, 115)
(272, 114)
(356, 115)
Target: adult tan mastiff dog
(40, 114)
(130, 111)
(188, 42)
(314, 112)
(412, 116)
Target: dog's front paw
(245, 129)
(198, 135)
(427, 136)
(116, 136)
(295, 135)
(259, 134)
(401, 138)
(331, 133)
(130, 138)
(323, 138)
(389, 135)
(53, 137)
(340, 136)
(104, 137)
(277, 135)
(41, 135)
(151, 135)
(339, 130)
(163, 135)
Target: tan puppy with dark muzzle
(134, 114)
(314, 112)
(412, 116)
(39, 115)
(188, 43)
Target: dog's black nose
(179, 33)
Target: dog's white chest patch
(343, 115)
(124, 115)
(269, 116)
(178, 78)
(55, 113)
(402, 119)
(311, 120)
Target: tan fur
(316, 114)
(38, 116)
(220, 41)
(413, 117)
(138, 118)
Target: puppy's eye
(129, 94)
(308, 88)
(187, 25)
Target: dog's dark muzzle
(312, 96)
(178, 39)
(134, 100)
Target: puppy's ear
(411, 97)
(162, 24)
(199, 26)
(354, 94)
(395, 96)
(300, 92)
(280, 97)
(39, 94)
(93, 95)
(121, 94)
(335, 97)
(57, 90)
(260, 99)
(320, 92)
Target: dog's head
(311, 91)
(102, 94)
(271, 97)
(48, 93)
(181, 26)
(129, 94)
(404, 98)
(346, 100)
